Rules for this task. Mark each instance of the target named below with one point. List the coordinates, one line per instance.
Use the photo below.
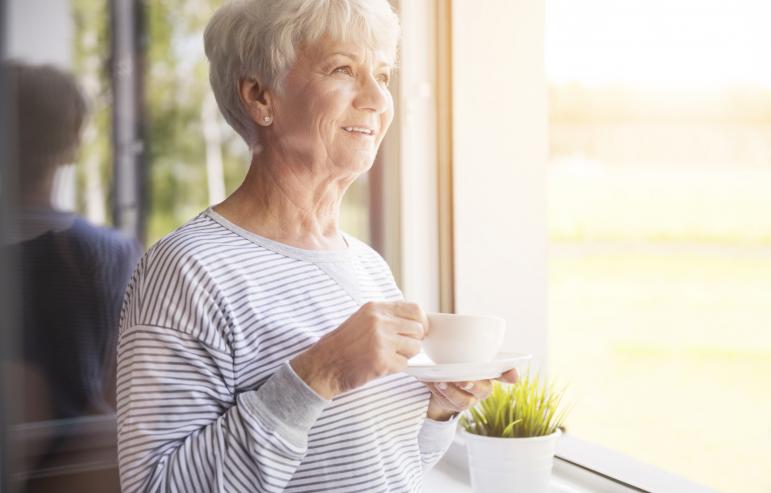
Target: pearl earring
(266, 119)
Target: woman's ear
(256, 100)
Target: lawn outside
(660, 314)
(665, 341)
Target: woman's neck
(296, 205)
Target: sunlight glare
(659, 43)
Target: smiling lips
(359, 130)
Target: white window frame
(465, 191)
(407, 220)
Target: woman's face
(335, 106)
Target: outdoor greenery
(657, 324)
(659, 268)
(177, 88)
(90, 58)
(193, 158)
(528, 408)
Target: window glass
(64, 264)
(64, 261)
(660, 231)
(195, 158)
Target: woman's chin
(359, 162)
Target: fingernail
(442, 386)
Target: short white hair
(258, 39)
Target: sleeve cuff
(437, 434)
(286, 404)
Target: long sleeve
(181, 426)
(206, 400)
(434, 439)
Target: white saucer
(422, 368)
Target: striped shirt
(206, 398)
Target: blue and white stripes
(206, 399)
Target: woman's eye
(384, 79)
(344, 70)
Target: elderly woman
(261, 348)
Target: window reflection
(72, 265)
(71, 273)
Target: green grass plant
(528, 408)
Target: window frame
(407, 226)
(461, 209)
(8, 316)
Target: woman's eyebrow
(355, 57)
(352, 56)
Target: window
(660, 233)
(151, 124)
(195, 159)
(64, 266)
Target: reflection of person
(72, 274)
(260, 347)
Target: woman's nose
(372, 95)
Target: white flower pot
(510, 465)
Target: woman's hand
(451, 398)
(375, 341)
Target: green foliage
(175, 72)
(176, 81)
(529, 408)
(91, 43)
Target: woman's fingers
(411, 328)
(510, 376)
(410, 311)
(444, 401)
(459, 396)
(460, 399)
(480, 389)
(407, 346)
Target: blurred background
(112, 139)
(659, 192)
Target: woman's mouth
(359, 130)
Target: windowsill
(579, 467)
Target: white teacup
(463, 338)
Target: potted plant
(512, 435)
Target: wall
(499, 166)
